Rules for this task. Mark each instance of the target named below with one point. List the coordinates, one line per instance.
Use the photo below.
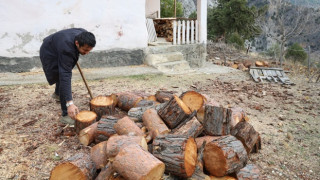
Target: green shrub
(167, 8)
(274, 50)
(296, 53)
(193, 15)
(236, 40)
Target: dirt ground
(287, 118)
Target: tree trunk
(245, 132)
(179, 153)
(87, 135)
(115, 143)
(98, 154)
(281, 52)
(154, 123)
(126, 101)
(224, 156)
(250, 172)
(105, 128)
(174, 112)
(126, 126)
(193, 100)
(164, 96)
(79, 166)
(217, 120)
(192, 128)
(134, 163)
(84, 119)
(102, 105)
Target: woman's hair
(86, 38)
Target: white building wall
(115, 23)
(153, 8)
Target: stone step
(173, 67)
(153, 59)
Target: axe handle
(85, 81)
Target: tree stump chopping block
(193, 100)
(154, 123)
(126, 101)
(224, 156)
(134, 163)
(105, 128)
(87, 135)
(178, 152)
(115, 143)
(79, 166)
(249, 172)
(126, 126)
(102, 105)
(84, 119)
(245, 132)
(216, 120)
(174, 112)
(192, 128)
(98, 154)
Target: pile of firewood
(134, 136)
(164, 28)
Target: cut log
(127, 100)
(200, 112)
(178, 152)
(98, 155)
(115, 143)
(245, 132)
(87, 135)
(198, 173)
(224, 156)
(193, 100)
(247, 63)
(174, 112)
(164, 96)
(200, 140)
(136, 113)
(79, 166)
(108, 173)
(222, 178)
(257, 146)
(126, 126)
(105, 128)
(114, 99)
(237, 115)
(259, 64)
(134, 163)
(249, 172)
(145, 103)
(102, 105)
(84, 119)
(154, 123)
(152, 98)
(216, 120)
(192, 128)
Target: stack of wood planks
(188, 136)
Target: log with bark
(84, 119)
(87, 135)
(125, 126)
(136, 113)
(174, 112)
(198, 172)
(257, 146)
(164, 96)
(105, 128)
(108, 173)
(192, 128)
(115, 143)
(237, 115)
(216, 120)
(193, 100)
(135, 163)
(145, 103)
(222, 178)
(154, 123)
(225, 155)
(200, 112)
(178, 152)
(102, 105)
(249, 172)
(127, 100)
(245, 132)
(98, 155)
(79, 166)
(200, 140)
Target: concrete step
(173, 67)
(153, 59)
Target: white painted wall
(202, 20)
(153, 8)
(115, 23)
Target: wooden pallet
(259, 74)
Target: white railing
(185, 32)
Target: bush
(167, 8)
(193, 15)
(236, 40)
(274, 50)
(296, 53)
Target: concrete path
(100, 73)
